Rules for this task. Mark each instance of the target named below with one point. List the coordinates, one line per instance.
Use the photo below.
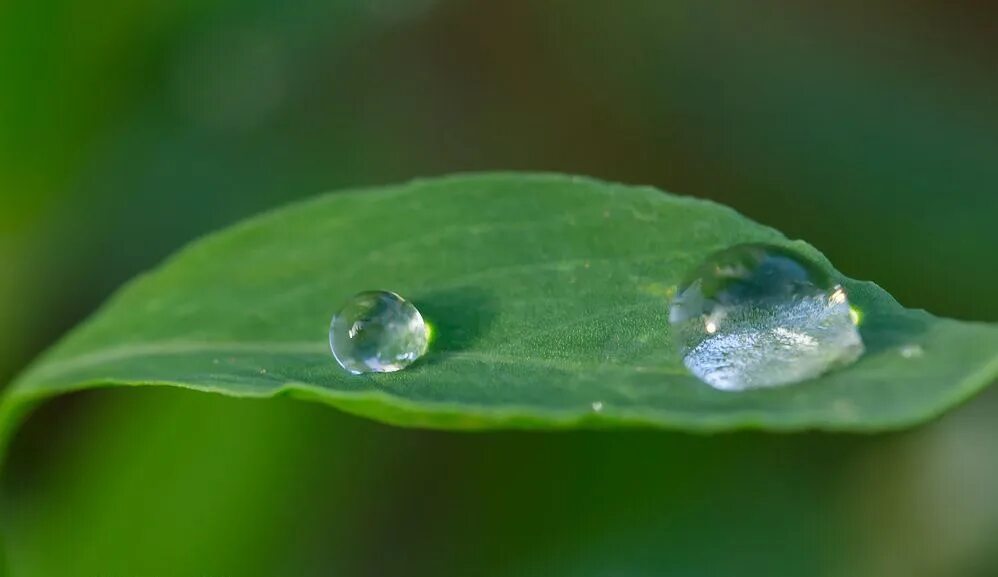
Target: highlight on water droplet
(377, 332)
(911, 351)
(856, 316)
(755, 316)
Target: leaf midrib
(168, 348)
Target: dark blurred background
(130, 128)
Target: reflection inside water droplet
(756, 316)
(377, 332)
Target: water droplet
(756, 316)
(597, 406)
(911, 351)
(377, 332)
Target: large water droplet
(377, 332)
(755, 316)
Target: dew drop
(755, 316)
(597, 406)
(911, 351)
(377, 332)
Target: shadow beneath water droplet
(458, 317)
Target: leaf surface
(548, 296)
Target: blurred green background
(128, 129)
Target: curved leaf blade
(548, 295)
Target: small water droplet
(377, 332)
(756, 316)
(597, 406)
(911, 351)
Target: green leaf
(547, 294)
